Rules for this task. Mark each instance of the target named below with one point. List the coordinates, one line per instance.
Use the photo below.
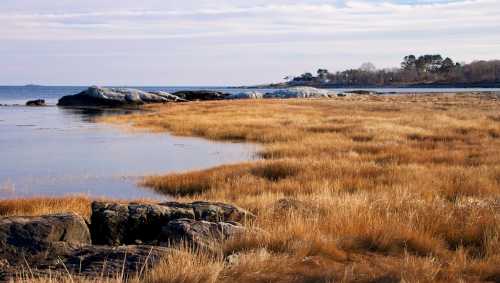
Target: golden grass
(359, 189)
(354, 189)
(43, 205)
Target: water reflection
(89, 114)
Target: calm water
(50, 151)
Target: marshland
(365, 188)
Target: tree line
(421, 70)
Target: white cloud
(227, 20)
(239, 36)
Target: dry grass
(40, 206)
(356, 189)
(361, 189)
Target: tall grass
(375, 189)
(354, 189)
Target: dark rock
(117, 224)
(90, 261)
(199, 233)
(109, 223)
(56, 244)
(31, 238)
(193, 95)
(115, 97)
(217, 211)
(111, 261)
(37, 102)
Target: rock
(300, 92)
(31, 238)
(92, 261)
(54, 245)
(113, 97)
(117, 224)
(37, 102)
(170, 97)
(199, 233)
(217, 211)
(193, 95)
(89, 262)
(246, 95)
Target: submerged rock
(112, 97)
(31, 238)
(300, 92)
(37, 102)
(193, 95)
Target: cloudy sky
(223, 42)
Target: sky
(230, 42)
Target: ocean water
(52, 151)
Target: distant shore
(361, 86)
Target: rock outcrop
(31, 238)
(300, 92)
(121, 238)
(194, 95)
(114, 97)
(87, 262)
(36, 102)
(117, 224)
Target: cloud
(250, 38)
(232, 20)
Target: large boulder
(198, 233)
(36, 102)
(31, 238)
(246, 95)
(300, 92)
(193, 95)
(118, 224)
(113, 97)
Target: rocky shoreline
(118, 238)
(117, 97)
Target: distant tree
(322, 75)
(429, 63)
(305, 77)
(425, 69)
(409, 62)
(447, 65)
(367, 67)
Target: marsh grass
(365, 189)
(354, 189)
(44, 205)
